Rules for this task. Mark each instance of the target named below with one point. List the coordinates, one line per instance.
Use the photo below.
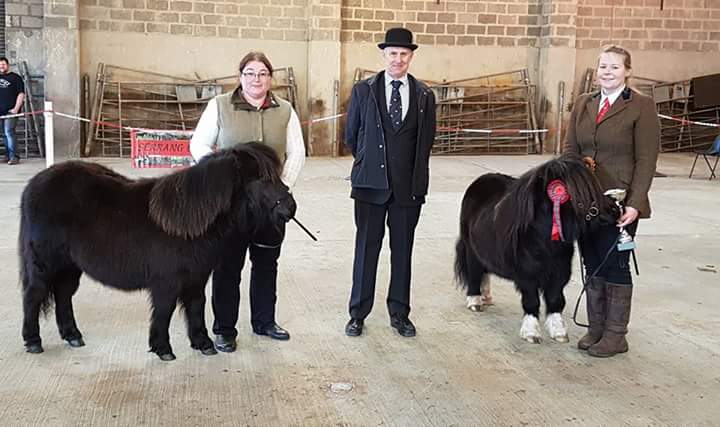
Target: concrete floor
(463, 368)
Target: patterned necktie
(603, 111)
(395, 105)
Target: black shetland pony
(506, 228)
(162, 234)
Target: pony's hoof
(530, 329)
(475, 303)
(208, 351)
(561, 339)
(76, 342)
(34, 348)
(167, 357)
(556, 328)
(533, 340)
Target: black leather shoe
(275, 332)
(354, 328)
(403, 325)
(225, 344)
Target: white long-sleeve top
(204, 140)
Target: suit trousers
(263, 286)
(370, 230)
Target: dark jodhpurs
(595, 245)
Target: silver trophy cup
(626, 242)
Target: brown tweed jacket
(624, 145)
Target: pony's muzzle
(286, 208)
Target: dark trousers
(370, 230)
(263, 287)
(595, 245)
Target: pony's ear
(186, 203)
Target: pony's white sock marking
(530, 329)
(475, 302)
(555, 326)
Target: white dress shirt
(611, 97)
(404, 93)
(205, 137)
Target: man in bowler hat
(390, 131)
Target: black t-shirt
(11, 85)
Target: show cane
(304, 229)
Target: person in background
(617, 132)
(12, 96)
(251, 113)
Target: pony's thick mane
(519, 208)
(185, 203)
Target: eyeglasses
(252, 75)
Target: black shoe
(225, 344)
(354, 328)
(274, 331)
(403, 325)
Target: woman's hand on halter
(590, 163)
(629, 215)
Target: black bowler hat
(398, 37)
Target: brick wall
(24, 22)
(24, 14)
(251, 19)
(324, 22)
(61, 14)
(481, 23)
(557, 23)
(687, 25)
(682, 25)
(639, 24)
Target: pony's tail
(27, 258)
(462, 269)
(22, 238)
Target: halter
(592, 212)
(558, 194)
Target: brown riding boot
(619, 298)
(596, 304)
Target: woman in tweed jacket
(617, 131)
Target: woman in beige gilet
(250, 113)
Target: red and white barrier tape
(32, 113)
(337, 116)
(489, 131)
(324, 119)
(129, 128)
(97, 122)
(689, 122)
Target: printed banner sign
(160, 148)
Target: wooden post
(96, 109)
